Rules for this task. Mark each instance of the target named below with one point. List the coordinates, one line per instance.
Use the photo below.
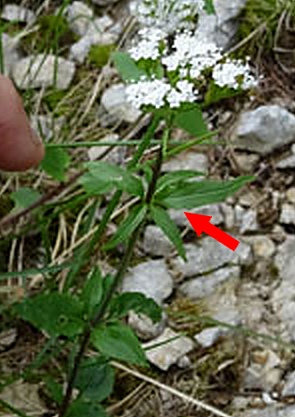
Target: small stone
(115, 104)
(169, 353)
(79, 16)
(208, 337)
(37, 71)
(15, 13)
(247, 162)
(115, 156)
(228, 214)
(246, 219)
(290, 194)
(150, 278)
(286, 163)
(101, 25)
(213, 210)
(204, 286)
(265, 129)
(209, 256)
(80, 50)
(249, 199)
(47, 126)
(263, 246)
(287, 214)
(187, 160)
(289, 387)
(7, 339)
(144, 327)
(156, 243)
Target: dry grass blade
(171, 390)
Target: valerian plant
(171, 72)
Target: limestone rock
(42, 70)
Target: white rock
(228, 214)
(209, 256)
(265, 129)
(187, 160)
(286, 163)
(43, 71)
(100, 25)
(207, 337)
(246, 219)
(290, 194)
(156, 243)
(150, 278)
(15, 13)
(169, 353)
(263, 246)
(80, 50)
(271, 411)
(10, 53)
(221, 27)
(289, 387)
(79, 16)
(114, 102)
(213, 210)
(144, 327)
(205, 285)
(287, 214)
(47, 126)
(247, 162)
(115, 156)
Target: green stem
(108, 296)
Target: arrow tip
(198, 221)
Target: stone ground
(233, 312)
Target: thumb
(20, 147)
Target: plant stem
(108, 296)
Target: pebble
(289, 386)
(144, 327)
(150, 278)
(290, 194)
(263, 246)
(205, 285)
(114, 102)
(287, 214)
(187, 160)
(156, 243)
(42, 70)
(79, 16)
(168, 354)
(15, 13)
(213, 210)
(247, 162)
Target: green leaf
(92, 292)
(117, 341)
(122, 304)
(215, 94)
(127, 67)
(175, 177)
(24, 197)
(85, 408)
(54, 389)
(55, 163)
(102, 177)
(163, 220)
(209, 7)
(95, 379)
(196, 194)
(57, 314)
(191, 120)
(128, 226)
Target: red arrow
(201, 223)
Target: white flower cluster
(183, 53)
(234, 74)
(167, 15)
(157, 93)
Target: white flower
(147, 92)
(148, 47)
(234, 74)
(168, 15)
(183, 93)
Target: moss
(99, 55)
